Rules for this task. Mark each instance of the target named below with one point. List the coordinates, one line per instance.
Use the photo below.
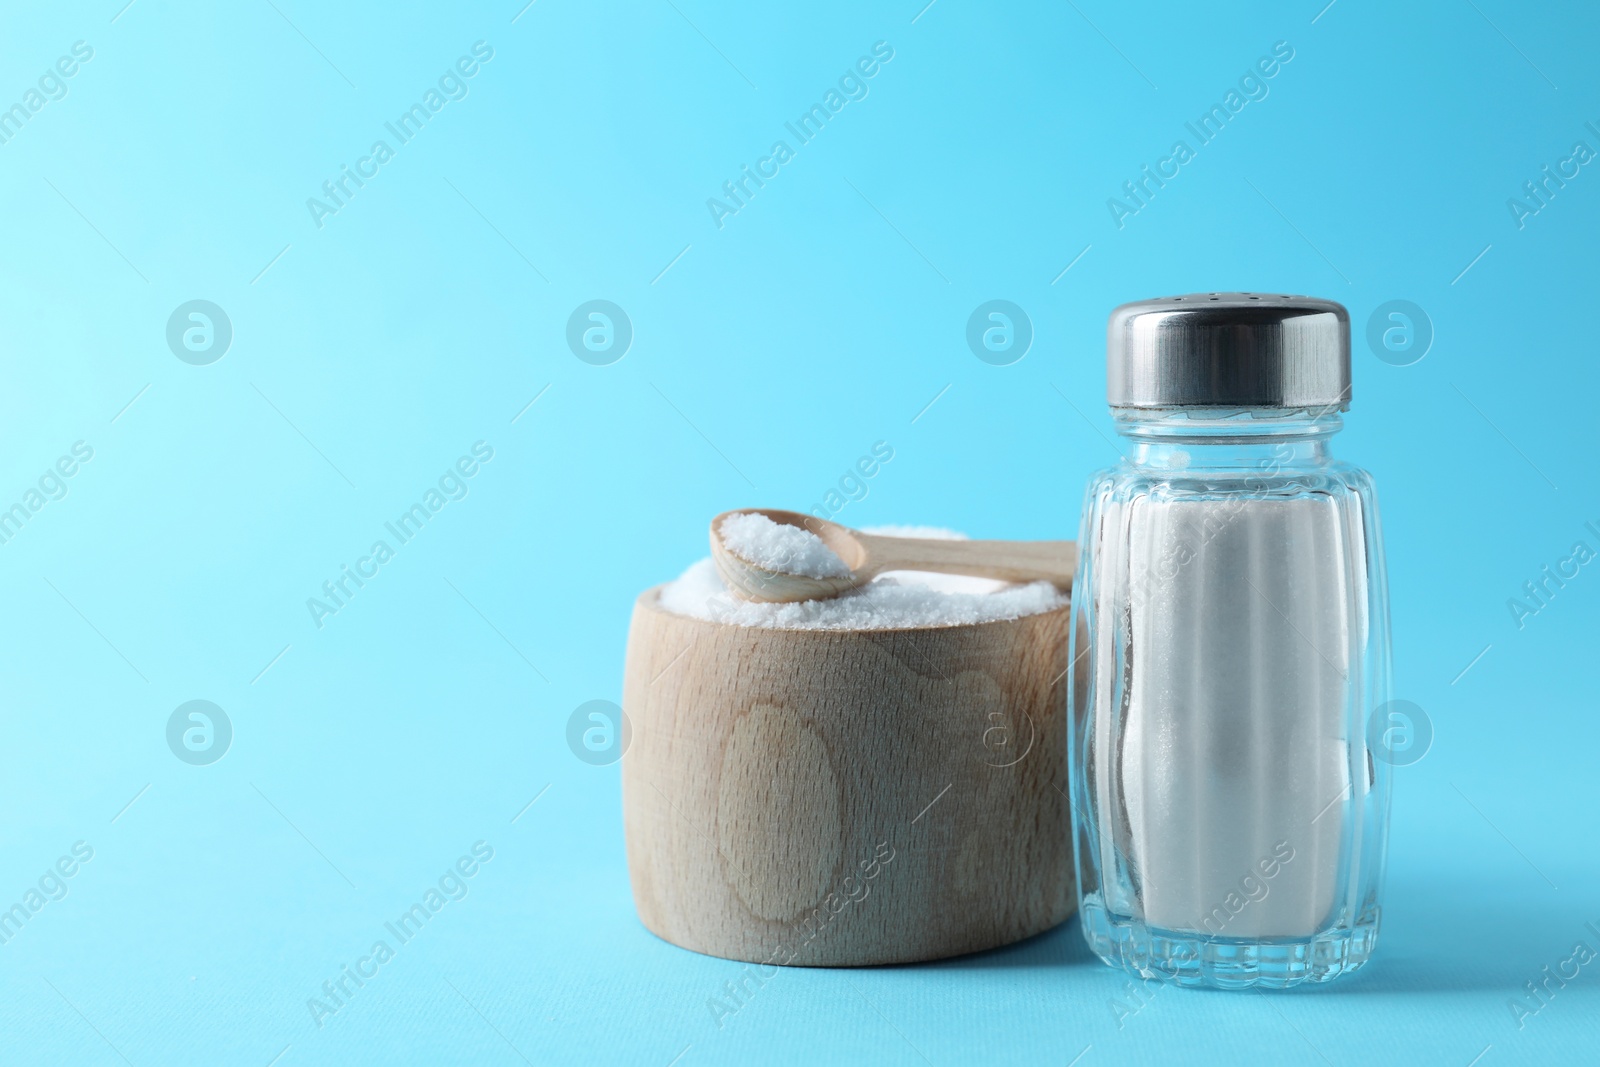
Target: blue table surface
(188, 487)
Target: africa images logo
(599, 332)
(999, 332)
(199, 332)
(199, 733)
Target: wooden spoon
(869, 555)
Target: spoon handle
(1011, 561)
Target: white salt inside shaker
(1220, 765)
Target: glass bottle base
(1188, 959)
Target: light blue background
(823, 317)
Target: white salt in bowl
(874, 779)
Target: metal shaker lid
(1229, 350)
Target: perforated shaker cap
(1229, 350)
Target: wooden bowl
(844, 798)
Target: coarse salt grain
(893, 601)
(779, 547)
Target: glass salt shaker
(1230, 639)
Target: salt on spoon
(765, 554)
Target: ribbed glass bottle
(1230, 644)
